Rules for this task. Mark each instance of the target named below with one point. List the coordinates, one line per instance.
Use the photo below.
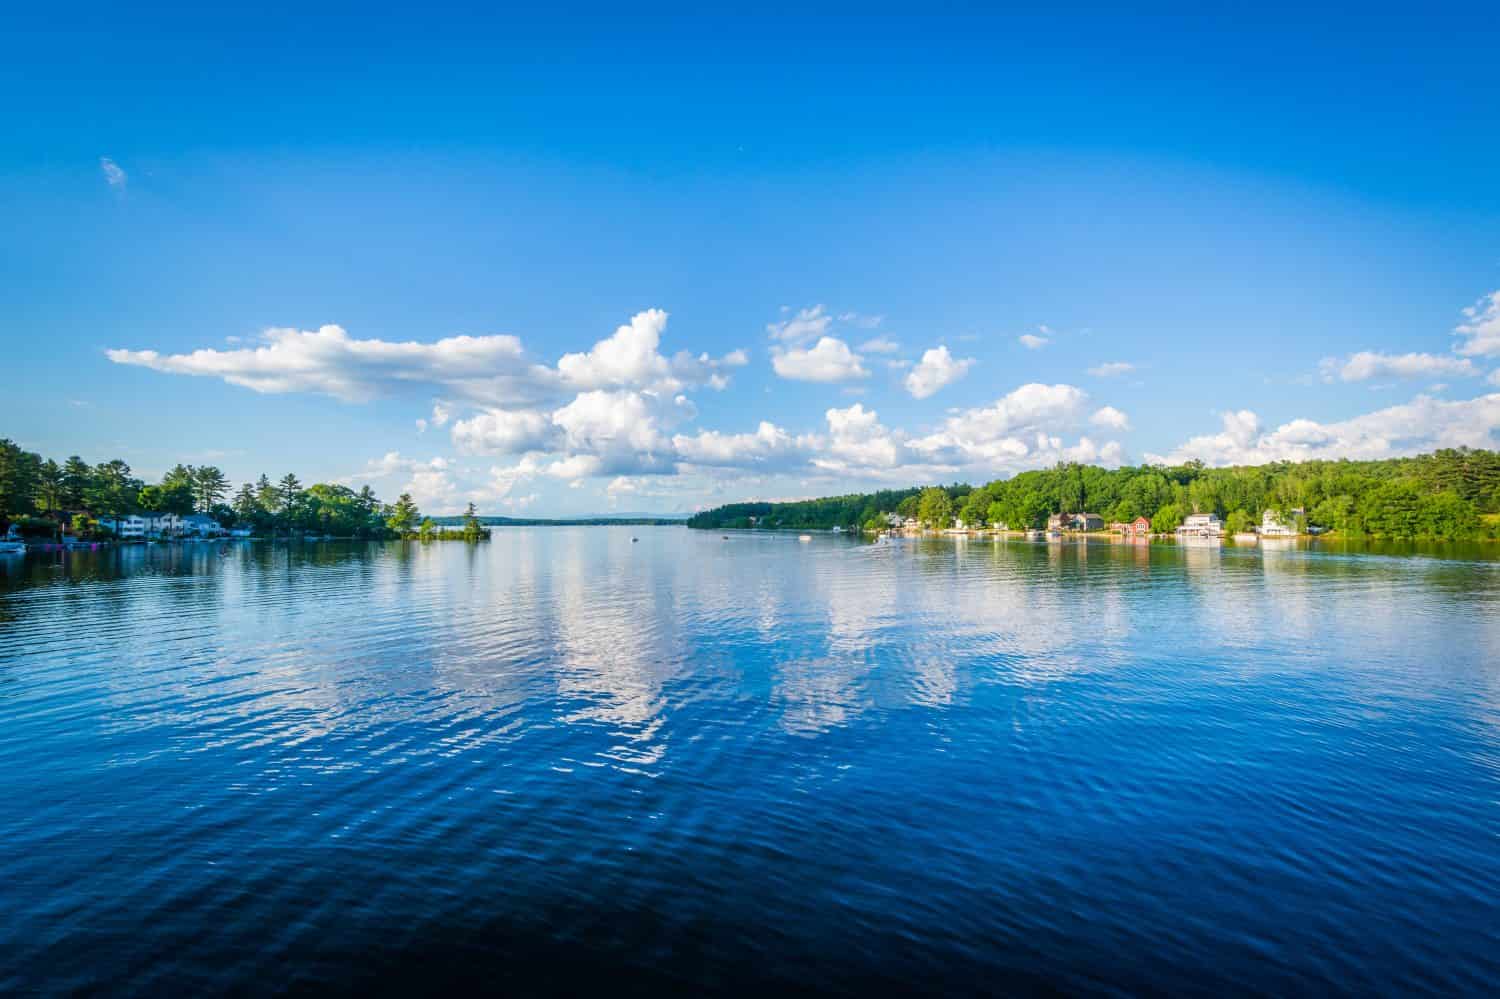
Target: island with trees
(1452, 494)
(42, 498)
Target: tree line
(40, 494)
(1450, 494)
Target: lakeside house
(1140, 527)
(1201, 525)
(133, 526)
(1272, 527)
(1075, 522)
(202, 525)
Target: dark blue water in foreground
(562, 760)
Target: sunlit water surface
(563, 759)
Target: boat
(804, 537)
(12, 544)
(837, 529)
(1246, 537)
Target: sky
(609, 261)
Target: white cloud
(806, 325)
(1480, 329)
(485, 370)
(440, 414)
(502, 431)
(829, 360)
(1369, 364)
(857, 440)
(1032, 341)
(114, 176)
(1111, 369)
(329, 361)
(1018, 430)
(630, 358)
(1424, 424)
(622, 431)
(1110, 417)
(768, 445)
(880, 345)
(937, 369)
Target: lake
(566, 760)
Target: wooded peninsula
(1452, 494)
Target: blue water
(563, 760)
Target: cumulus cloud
(114, 176)
(1424, 424)
(768, 446)
(1111, 369)
(1368, 364)
(1480, 330)
(505, 431)
(936, 369)
(1110, 417)
(829, 360)
(1033, 341)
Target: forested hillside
(1441, 495)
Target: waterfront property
(1272, 527)
(1075, 522)
(1140, 527)
(1201, 525)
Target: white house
(1201, 525)
(1271, 527)
(133, 526)
(893, 520)
(202, 525)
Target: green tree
(76, 478)
(151, 501)
(1238, 522)
(112, 491)
(404, 515)
(18, 479)
(473, 530)
(50, 487)
(934, 508)
(1168, 519)
(266, 496)
(427, 529)
(246, 506)
(209, 487)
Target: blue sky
(795, 254)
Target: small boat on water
(804, 537)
